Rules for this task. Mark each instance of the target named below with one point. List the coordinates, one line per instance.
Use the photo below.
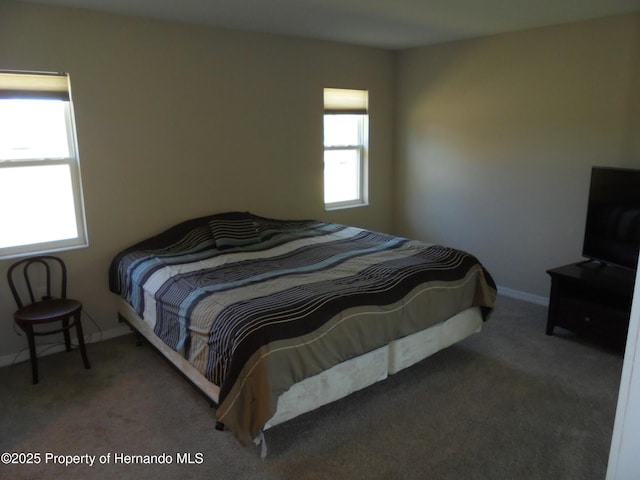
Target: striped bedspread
(258, 304)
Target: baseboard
(50, 349)
(520, 295)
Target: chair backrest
(33, 279)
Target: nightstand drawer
(593, 319)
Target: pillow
(234, 233)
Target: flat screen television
(612, 232)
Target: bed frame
(336, 382)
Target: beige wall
(176, 121)
(496, 138)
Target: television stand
(592, 299)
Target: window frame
(72, 162)
(349, 106)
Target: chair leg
(83, 350)
(67, 335)
(28, 329)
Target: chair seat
(48, 310)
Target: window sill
(330, 208)
(15, 253)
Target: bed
(273, 318)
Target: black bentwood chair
(52, 272)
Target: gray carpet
(507, 403)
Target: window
(41, 208)
(346, 135)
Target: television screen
(612, 233)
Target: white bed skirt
(340, 380)
(360, 372)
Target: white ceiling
(389, 24)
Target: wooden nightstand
(592, 299)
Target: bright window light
(33, 129)
(44, 211)
(341, 175)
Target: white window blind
(345, 101)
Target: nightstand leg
(550, 327)
(551, 315)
